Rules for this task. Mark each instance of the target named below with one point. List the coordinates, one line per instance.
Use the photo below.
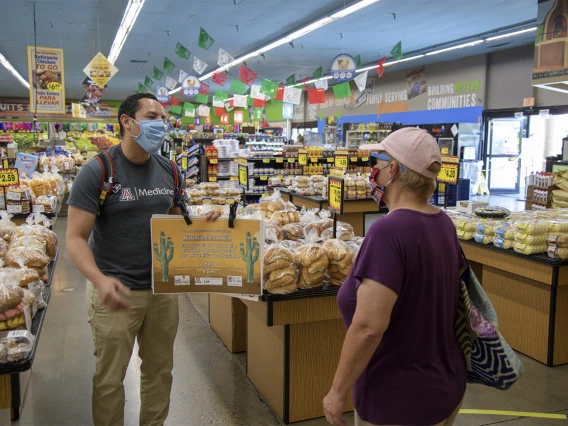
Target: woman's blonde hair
(420, 185)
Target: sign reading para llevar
(206, 257)
(47, 80)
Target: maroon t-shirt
(417, 375)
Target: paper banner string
(219, 78)
(219, 112)
(257, 93)
(141, 88)
(182, 75)
(269, 88)
(292, 95)
(259, 103)
(305, 85)
(322, 84)
(358, 61)
(316, 96)
(148, 82)
(361, 81)
(219, 95)
(342, 90)
(280, 94)
(246, 75)
(182, 52)
(380, 66)
(157, 74)
(170, 83)
(396, 51)
(218, 104)
(224, 58)
(318, 73)
(204, 111)
(204, 88)
(174, 100)
(291, 80)
(168, 65)
(205, 40)
(176, 110)
(198, 65)
(202, 99)
(240, 101)
(237, 86)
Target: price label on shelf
(9, 177)
(341, 161)
(279, 160)
(5, 163)
(184, 163)
(243, 176)
(230, 201)
(336, 194)
(264, 178)
(330, 159)
(291, 160)
(213, 161)
(365, 159)
(266, 160)
(234, 178)
(213, 179)
(314, 160)
(302, 159)
(354, 159)
(10, 208)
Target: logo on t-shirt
(126, 195)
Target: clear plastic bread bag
(7, 227)
(532, 227)
(271, 204)
(312, 262)
(15, 345)
(293, 231)
(12, 307)
(341, 258)
(344, 231)
(25, 256)
(279, 274)
(288, 214)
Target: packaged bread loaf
(484, 239)
(532, 227)
(293, 231)
(23, 256)
(341, 258)
(344, 231)
(12, 306)
(530, 249)
(280, 275)
(273, 233)
(560, 240)
(536, 239)
(3, 248)
(503, 243)
(270, 205)
(465, 235)
(7, 227)
(21, 277)
(558, 226)
(16, 347)
(312, 262)
(506, 232)
(556, 252)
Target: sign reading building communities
(47, 80)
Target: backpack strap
(175, 172)
(107, 177)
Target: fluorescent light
(412, 58)
(13, 71)
(353, 9)
(499, 37)
(308, 29)
(459, 46)
(131, 13)
(311, 81)
(549, 87)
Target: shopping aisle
(210, 385)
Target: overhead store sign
(343, 67)
(550, 61)
(47, 80)
(190, 85)
(100, 70)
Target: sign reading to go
(9, 177)
(336, 187)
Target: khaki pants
(153, 320)
(448, 422)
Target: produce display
(103, 142)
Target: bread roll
(275, 206)
(293, 231)
(275, 253)
(22, 256)
(284, 285)
(319, 265)
(10, 297)
(312, 228)
(278, 264)
(279, 273)
(335, 249)
(324, 224)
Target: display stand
(293, 348)
(15, 376)
(228, 317)
(530, 296)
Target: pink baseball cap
(412, 147)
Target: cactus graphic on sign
(250, 256)
(164, 254)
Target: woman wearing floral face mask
(401, 356)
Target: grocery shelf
(540, 258)
(326, 290)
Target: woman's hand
(333, 406)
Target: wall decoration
(343, 67)
(396, 51)
(198, 65)
(190, 86)
(292, 95)
(247, 76)
(224, 58)
(416, 83)
(163, 94)
(182, 52)
(205, 40)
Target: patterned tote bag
(489, 359)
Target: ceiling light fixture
(459, 46)
(13, 71)
(132, 11)
(291, 37)
(499, 37)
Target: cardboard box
(469, 206)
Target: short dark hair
(131, 105)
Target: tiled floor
(210, 385)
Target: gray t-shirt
(121, 239)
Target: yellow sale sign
(336, 194)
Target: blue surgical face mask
(152, 134)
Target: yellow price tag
(243, 175)
(291, 160)
(207, 201)
(354, 159)
(330, 159)
(448, 174)
(54, 86)
(184, 163)
(213, 179)
(336, 194)
(445, 150)
(365, 158)
(213, 161)
(341, 161)
(279, 176)
(302, 159)
(9, 177)
(230, 201)
(314, 160)
(234, 178)
(266, 160)
(5, 163)
(279, 160)
(264, 178)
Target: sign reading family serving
(206, 257)
(47, 80)
(190, 86)
(343, 67)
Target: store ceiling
(371, 32)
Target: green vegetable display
(84, 144)
(24, 140)
(250, 256)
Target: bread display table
(354, 211)
(530, 295)
(293, 347)
(15, 376)
(228, 317)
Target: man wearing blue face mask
(108, 239)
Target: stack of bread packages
(280, 275)
(531, 236)
(341, 258)
(26, 251)
(343, 231)
(312, 262)
(558, 240)
(278, 211)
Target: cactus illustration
(164, 254)
(250, 256)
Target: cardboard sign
(341, 161)
(449, 173)
(206, 257)
(9, 177)
(336, 187)
(302, 157)
(243, 176)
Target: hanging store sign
(163, 94)
(336, 188)
(9, 177)
(47, 80)
(243, 176)
(190, 86)
(449, 173)
(343, 67)
(100, 70)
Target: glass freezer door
(503, 157)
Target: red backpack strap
(175, 172)
(107, 177)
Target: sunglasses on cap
(376, 156)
